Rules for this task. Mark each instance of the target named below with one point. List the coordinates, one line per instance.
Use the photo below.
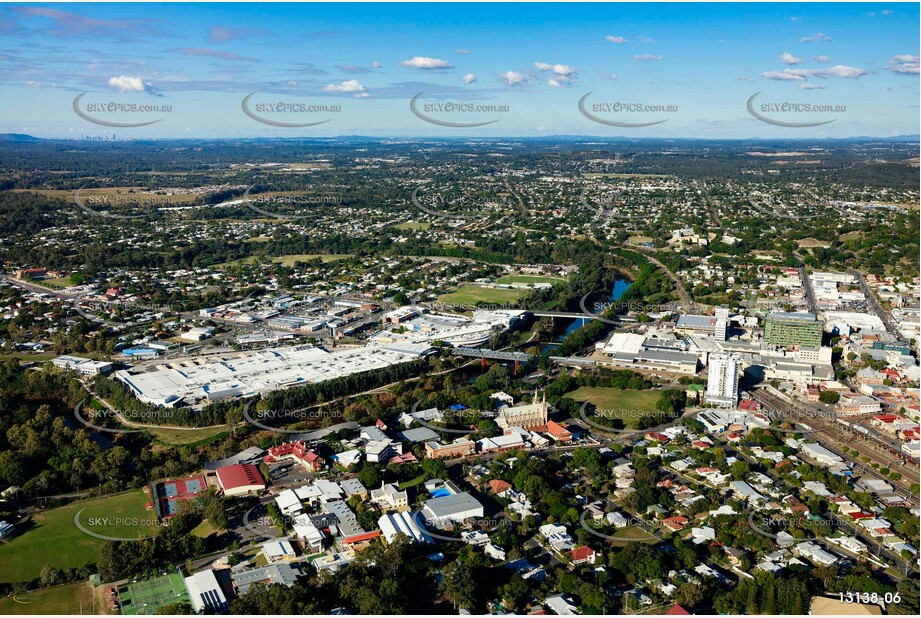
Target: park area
(50, 537)
(472, 294)
(614, 403)
(74, 598)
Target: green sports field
(50, 537)
(626, 404)
(68, 599)
(529, 279)
(472, 294)
(144, 597)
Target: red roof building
(583, 555)
(677, 610)
(296, 451)
(558, 432)
(676, 523)
(498, 486)
(240, 479)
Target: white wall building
(723, 380)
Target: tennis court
(144, 597)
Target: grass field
(413, 225)
(28, 356)
(634, 534)
(58, 284)
(604, 175)
(639, 240)
(186, 436)
(51, 537)
(289, 260)
(204, 529)
(123, 192)
(628, 405)
(144, 597)
(471, 294)
(69, 599)
(529, 279)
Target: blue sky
(700, 62)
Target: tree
(829, 397)
(175, 609)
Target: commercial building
(393, 524)
(789, 329)
(206, 594)
(199, 381)
(83, 366)
(283, 574)
(723, 380)
(454, 508)
(821, 454)
(459, 448)
(240, 480)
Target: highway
(873, 304)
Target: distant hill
(18, 137)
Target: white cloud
(513, 78)
(746, 78)
(351, 85)
(847, 72)
(124, 83)
(648, 57)
(801, 75)
(808, 86)
(818, 36)
(609, 76)
(904, 64)
(615, 39)
(461, 51)
(646, 39)
(424, 62)
(557, 69)
(820, 58)
(562, 74)
(788, 58)
(469, 78)
(376, 65)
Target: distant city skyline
(721, 71)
